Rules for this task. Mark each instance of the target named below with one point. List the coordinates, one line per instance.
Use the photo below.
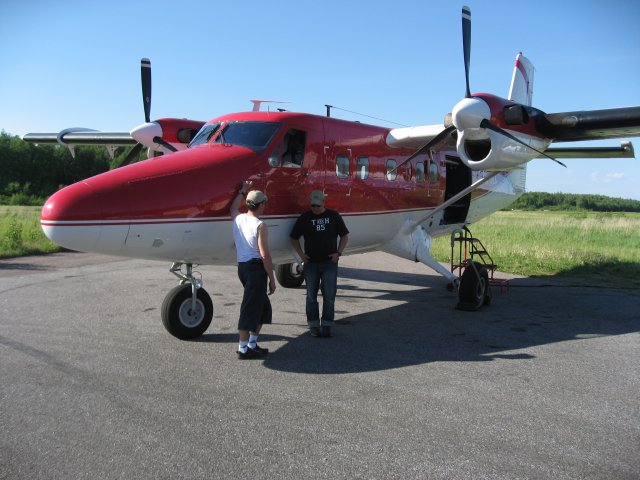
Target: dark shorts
(256, 307)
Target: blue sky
(77, 64)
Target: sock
(253, 340)
(243, 346)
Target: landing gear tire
(475, 290)
(288, 275)
(178, 316)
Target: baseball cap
(256, 197)
(317, 197)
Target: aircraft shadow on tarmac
(423, 326)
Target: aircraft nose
(69, 217)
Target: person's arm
(295, 243)
(341, 245)
(263, 245)
(237, 201)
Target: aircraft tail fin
(521, 90)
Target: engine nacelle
(481, 149)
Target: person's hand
(272, 286)
(305, 258)
(246, 186)
(334, 257)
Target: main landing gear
(475, 282)
(290, 275)
(187, 309)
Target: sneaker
(315, 331)
(258, 348)
(249, 354)
(326, 331)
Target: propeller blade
(145, 74)
(466, 43)
(133, 153)
(430, 144)
(166, 145)
(490, 126)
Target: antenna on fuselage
(329, 107)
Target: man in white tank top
(255, 269)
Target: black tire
(487, 295)
(288, 276)
(474, 287)
(177, 316)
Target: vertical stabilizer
(521, 90)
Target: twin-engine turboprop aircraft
(396, 188)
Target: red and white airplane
(396, 188)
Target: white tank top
(245, 236)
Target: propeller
(166, 145)
(431, 143)
(466, 44)
(148, 131)
(145, 75)
(471, 112)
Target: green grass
(20, 232)
(602, 246)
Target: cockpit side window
(294, 145)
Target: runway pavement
(541, 384)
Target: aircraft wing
(414, 137)
(82, 137)
(590, 124)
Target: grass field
(601, 247)
(20, 232)
(596, 246)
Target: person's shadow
(423, 326)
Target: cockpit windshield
(204, 135)
(253, 135)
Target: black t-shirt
(320, 233)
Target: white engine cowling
(482, 149)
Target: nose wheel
(187, 310)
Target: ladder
(472, 249)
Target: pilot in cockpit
(293, 155)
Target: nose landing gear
(187, 310)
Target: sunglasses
(313, 205)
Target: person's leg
(312, 279)
(265, 318)
(252, 303)
(329, 286)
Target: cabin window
(433, 172)
(342, 166)
(391, 169)
(205, 134)
(253, 135)
(419, 172)
(362, 168)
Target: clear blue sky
(77, 64)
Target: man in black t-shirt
(320, 228)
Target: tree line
(571, 201)
(29, 174)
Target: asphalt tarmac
(541, 384)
